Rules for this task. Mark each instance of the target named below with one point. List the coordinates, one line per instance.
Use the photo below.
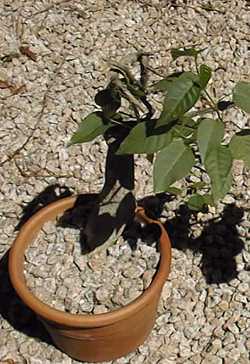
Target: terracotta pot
(94, 338)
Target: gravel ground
(203, 315)
(59, 274)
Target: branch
(39, 115)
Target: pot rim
(16, 267)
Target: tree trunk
(115, 204)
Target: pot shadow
(14, 311)
(50, 194)
(218, 244)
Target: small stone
(132, 271)
(248, 345)
(34, 349)
(80, 262)
(138, 359)
(61, 292)
(53, 259)
(34, 360)
(96, 262)
(23, 349)
(241, 298)
(223, 305)
(100, 309)
(39, 271)
(185, 350)
(228, 199)
(147, 278)
(56, 356)
(212, 359)
(234, 355)
(49, 228)
(71, 305)
(233, 328)
(132, 294)
(42, 294)
(216, 345)
(103, 294)
(3, 351)
(243, 287)
(86, 302)
(50, 285)
(244, 276)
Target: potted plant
(185, 135)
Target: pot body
(104, 343)
(93, 338)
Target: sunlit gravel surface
(204, 312)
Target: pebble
(90, 282)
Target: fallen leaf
(3, 85)
(26, 51)
(18, 89)
(13, 88)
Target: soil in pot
(59, 274)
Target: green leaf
(89, 128)
(208, 199)
(163, 85)
(186, 129)
(241, 95)
(182, 95)
(143, 138)
(198, 185)
(210, 134)
(217, 158)
(174, 191)
(140, 141)
(196, 202)
(218, 163)
(185, 52)
(172, 163)
(240, 146)
(205, 74)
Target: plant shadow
(218, 244)
(99, 217)
(14, 311)
(50, 194)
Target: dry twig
(39, 117)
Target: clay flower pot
(94, 338)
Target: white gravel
(199, 320)
(59, 274)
